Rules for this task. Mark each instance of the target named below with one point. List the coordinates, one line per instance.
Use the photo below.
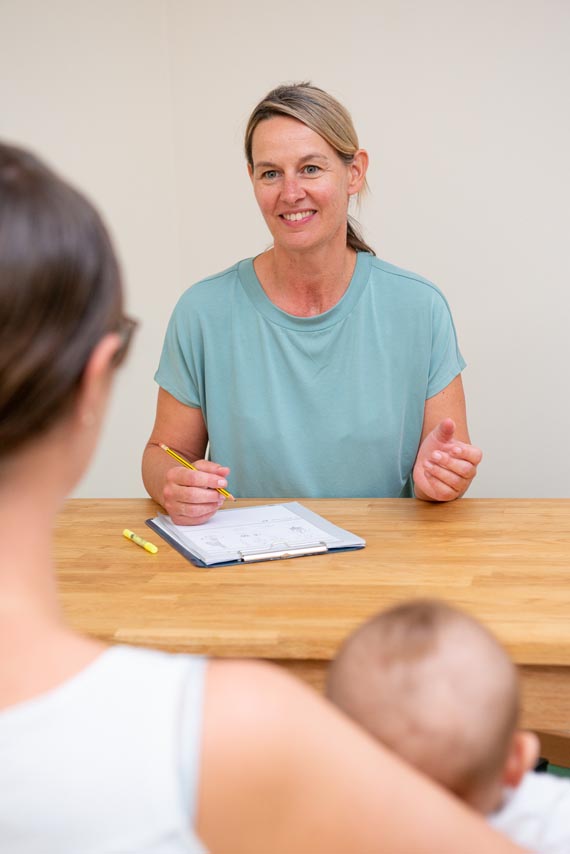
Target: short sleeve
(179, 367)
(446, 361)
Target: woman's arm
(446, 462)
(282, 771)
(189, 497)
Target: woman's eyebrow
(315, 156)
(267, 164)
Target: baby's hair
(60, 293)
(435, 686)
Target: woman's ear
(523, 754)
(96, 380)
(357, 170)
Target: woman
(118, 749)
(314, 369)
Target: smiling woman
(302, 192)
(331, 124)
(315, 368)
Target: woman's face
(301, 184)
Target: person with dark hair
(314, 369)
(434, 685)
(121, 749)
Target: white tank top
(106, 763)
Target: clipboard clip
(282, 554)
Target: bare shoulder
(249, 702)
(279, 765)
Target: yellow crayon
(144, 544)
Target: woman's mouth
(297, 216)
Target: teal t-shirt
(321, 406)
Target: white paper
(268, 528)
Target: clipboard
(255, 534)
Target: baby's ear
(522, 756)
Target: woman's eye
(311, 169)
(270, 175)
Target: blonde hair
(319, 111)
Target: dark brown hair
(60, 292)
(322, 113)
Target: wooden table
(506, 561)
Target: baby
(435, 686)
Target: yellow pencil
(184, 462)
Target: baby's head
(435, 686)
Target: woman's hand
(191, 497)
(444, 467)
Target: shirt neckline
(267, 308)
(39, 704)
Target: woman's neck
(305, 283)
(37, 650)
(26, 577)
(33, 485)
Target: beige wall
(464, 110)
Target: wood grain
(505, 561)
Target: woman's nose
(292, 189)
